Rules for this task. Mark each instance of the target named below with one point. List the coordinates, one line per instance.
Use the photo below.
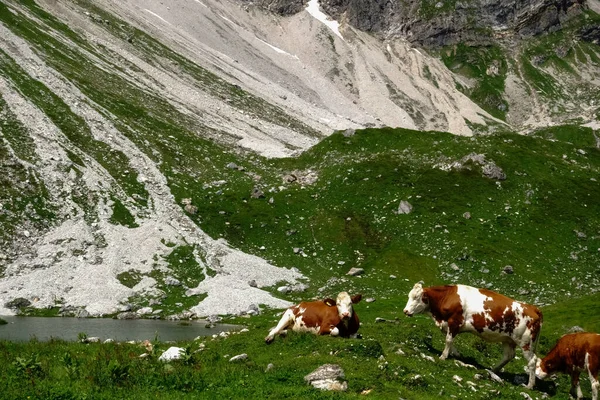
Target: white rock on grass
(172, 353)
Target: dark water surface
(26, 328)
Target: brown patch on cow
(499, 309)
(444, 305)
(479, 322)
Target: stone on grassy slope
(327, 377)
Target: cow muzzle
(408, 313)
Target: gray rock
(82, 313)
(576, 329)
(349, 132)
(213, 319)
(144, 311)
(239, 357)
(327, 377)
(467, 215)
(190, 209)
(508, 269)
(355, 271)
(405, 207)
(170, 281)
(257, 193)
(127, 315)
(283, 289)
(298, 287)
(493, 171)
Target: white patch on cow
(539, 372)
(300, 326)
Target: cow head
(417, 301)
(542, 368)
(344, 304)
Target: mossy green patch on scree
(487, 66)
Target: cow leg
(286, 320)
(449, 348)
(575, 391)
(531, 364)
(595, 384)
(508, 354)
(329, 330)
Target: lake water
(43, 329)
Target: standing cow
(572, 354)
(324, 317)
(491, 316)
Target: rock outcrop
(440, 23)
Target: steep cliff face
(440, 23)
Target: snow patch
(278, 50)
(314, 9)
(157, 16)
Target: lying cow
(491, 316)
(572, 354)
(325, 317)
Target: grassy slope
(103, 371)
(349, 214)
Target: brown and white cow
(491, 316)
(572, 354)
(324, 317)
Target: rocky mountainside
(442, 23)
(112, 113)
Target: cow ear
(329, 302)
(356, 299)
